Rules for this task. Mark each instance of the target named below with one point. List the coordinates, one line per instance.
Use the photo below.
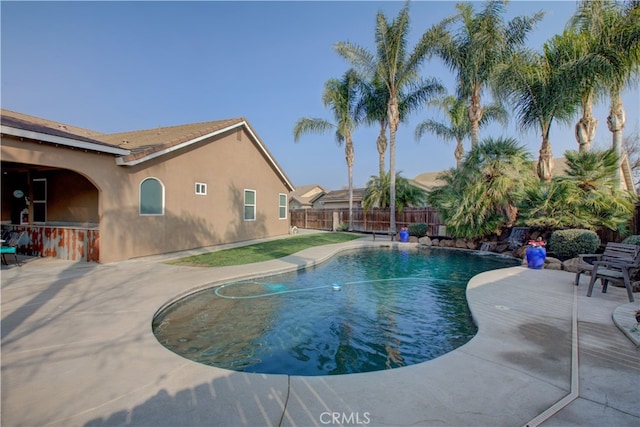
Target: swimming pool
(363, 310)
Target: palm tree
(372, 108)
(540, 89)
(615, 34)
(459, 126)
(580, 40)
(341, 97)
(481, 196)
(397, 71)
(476, 48)
(376, 194)
(631, 146)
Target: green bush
(570, 243)
(632, 240)
(418, 229)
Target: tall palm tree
(372, 108)
(476, 47)
(539, 87)
(615, 31)
(341, 97)
(580, 39)
(397, 70)
(575, 47)
(459, 126)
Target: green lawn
(265, 251)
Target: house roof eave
(53, 139)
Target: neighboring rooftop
(340, 196)
(305, 194)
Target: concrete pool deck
(78, 350)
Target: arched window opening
(151, 197)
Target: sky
(123, 66)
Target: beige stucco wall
(78, 206)
(228, 165)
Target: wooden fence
(373, 221)
(378, 221)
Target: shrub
(572, 242)
(632, 240)
(586, 196)
(418, 229)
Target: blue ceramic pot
(536, 257)
(404, 236)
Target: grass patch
(264, 251)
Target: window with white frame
(249, 205)
(151, 197)
(282, 206)
(201, 189)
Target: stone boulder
(435, 242)
(520, 252)
(502, 247)
(551, 263)
(472, 245)
(571, 265)
(426, 241)
(460, 244)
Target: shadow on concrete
(249, 400)
(26, 310)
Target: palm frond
(436, 128)
(307, 125)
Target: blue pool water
(362, 311)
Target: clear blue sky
(122, 66)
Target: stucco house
(85, 195)
(304, 195)
(339, 199)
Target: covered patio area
(57, 207)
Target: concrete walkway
(78, 350)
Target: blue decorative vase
(404, 236)
(536, 257)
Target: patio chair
(616, 270)
(11, 247)
(612, 252)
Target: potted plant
(536, 253)
(404, 234)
